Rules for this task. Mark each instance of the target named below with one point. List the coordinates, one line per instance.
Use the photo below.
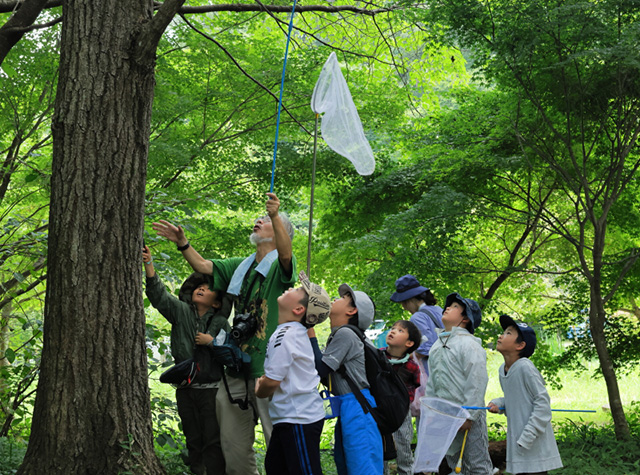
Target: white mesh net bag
(341, 127)
(439, 424)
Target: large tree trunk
(597, 315)
(92, 412)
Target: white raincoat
(458, 373)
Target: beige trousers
(237, 427)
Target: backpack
(199, 369)
(386, 387)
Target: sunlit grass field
(579, 391)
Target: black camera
(244, 327)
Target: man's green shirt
(261, 297)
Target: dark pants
(197, 410)
(294, 449)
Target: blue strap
(284, 67)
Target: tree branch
(10, 32)
(31, 286)
(145, 51)
(284, 108)
(252, 7)
(7, 6)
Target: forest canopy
(505, 138)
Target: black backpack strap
(206, 328)
(250, 285)
(366, 407)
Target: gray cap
(364, 304)
(471, 309)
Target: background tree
(26, 106)
(572, 66)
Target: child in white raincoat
(458, 373)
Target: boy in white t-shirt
(290, 376)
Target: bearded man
(256, 282)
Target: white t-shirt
(290, 360)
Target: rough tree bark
(597, 319)
(92, 412)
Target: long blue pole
(558, 410)
(284, 67)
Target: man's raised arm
(281, 236)
(176, 234)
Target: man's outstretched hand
(171, 232)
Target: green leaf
(31, 177)
(8, 70)
(10, 355)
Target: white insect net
(439, 424)
(341, 127)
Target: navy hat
(471, 309)
(407, 287)
(527, 334)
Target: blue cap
(471, 309)
(407, 287)
(527, 334)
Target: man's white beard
(255, 239)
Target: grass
(579, 391)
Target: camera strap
(248, 294)
(243, 404)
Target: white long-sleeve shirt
(531, 445)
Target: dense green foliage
(506, 167)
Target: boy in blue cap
(458, 373)
(531, 445)
(425, 314)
